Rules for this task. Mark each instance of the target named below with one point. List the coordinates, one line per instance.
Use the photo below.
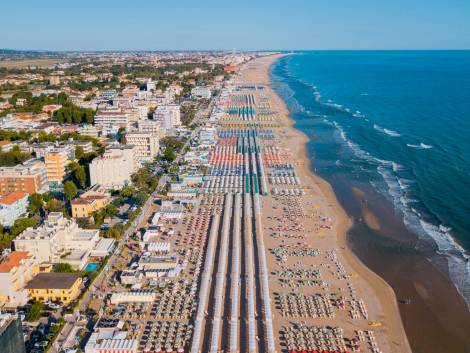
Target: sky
(236, 24)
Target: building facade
(111, 120)
(29, 177)
(16, 270)
(114, 168)
(12, 206)
(168, 116)
(55, 238)
(56, 164)
(55, 287)
(146, 145)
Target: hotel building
(29, 177)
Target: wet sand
(437, 317)
(434, 315)
(378, 295)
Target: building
(108, 94)
(11, 334)
(55, 287)
(89, 202)
(133, 297)
(86, 146)
(105, 341)
(12, 206)
(29, 177)
(231, 68)
(55, 238)
(114, 168)
(146, 145)
(54, 80)
(201, 92)
(90, 130)
(56, 164)
(85, 206)
(168, 116)
(151, 86)
(111, 120)
(16, 270)
(150, 126)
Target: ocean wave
(396, 167)
(387, 131)
(421, 146)
(399, 190)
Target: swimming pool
(92, 266)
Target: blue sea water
(399, 120)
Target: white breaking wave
(396, 167)
(387, 131)
(457, 259)
(421, 146)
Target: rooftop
(12, 197)
(13, 260)
(53, 280)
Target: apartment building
(16, 270)
(56, 237)
(12, 206)
(56, 164)
(114, 168)
(146, 145)
(201, 92)
(111, 120)
(168, 116)
(150, 126)
(29, 177)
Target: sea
(398, 121)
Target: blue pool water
(92, 266)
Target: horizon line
(216, 50)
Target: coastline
(383, 299)
(437, 317)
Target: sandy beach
(383, 314)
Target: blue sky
(240, 24)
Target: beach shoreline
(384, 298)
(380, 241)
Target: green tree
(35, 203)
(90, 116)
(54, 205)
(70, 190)
(21, 224)
(63, 267)
(127, 191)
(35, 311)
(80, 176)
(79, 152)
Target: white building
(133, 297)
(111, 120)
(12, 206)
(201, 92)
(57, 237)
(114, 168)
(151, 126)
(168, 115)
(105, 341)
(146, 145)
